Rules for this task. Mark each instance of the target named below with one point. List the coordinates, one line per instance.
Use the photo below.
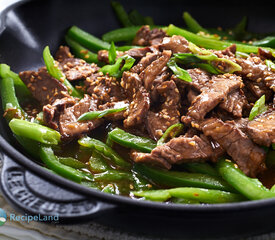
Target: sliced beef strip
(69, 127)
(139, 99)
(164, 75)
(63, 53)
(264, 54)
(199, 78)
(254, 69)
(235, 103)
(177, 150)
(77, 69)
(43, 87)
(213, 93)
(249, 157)
(145, 62)
(176, 44)
(139, 53)
(51, 112)
(104, 88)
(158, 122)
(147, 37)
(149, 74)
(262, 128)
(258, 89)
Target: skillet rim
(29, 164)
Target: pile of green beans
(106, 169)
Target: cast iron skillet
(29, 26)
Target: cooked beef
(51, 113)
(104, 88)
(43, 86)
(63, 53)
(145, 62)
(234, 103)
(69, 127)
(191, 95)
(241, 123)
(147, 37)
(149, 74)
(199, 78)
(213, 93)
(262, 128)
(141, 52)
(254, 69)
(249, 157)
(62, 116)
(265, 54)
(158, 122)
(258, 89)
(77, 69)
(164, 75)
(176, 44)
(177, 150)
(139, 99)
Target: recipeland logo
(26, 218)
(3, 217)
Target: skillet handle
(5, 6)
(33, 195)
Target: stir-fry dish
(161, 113)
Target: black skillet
(25, 28)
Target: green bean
(104, 149)
(114, 69)
(265, 42)
(192, 24)
(183, 201)
(21, 89)
(170, 132)
(204, 168)
(51, 161)
(112, 53)
(211, 43)
(258, 108)
(121, 34)
(178, 71)
(10, 102)
(125, 34)
(182, 179)
(136, 18)
(251, 188)
(270, 64)
(99, 114)
(140, 183)
(81, 52)
(149, 21)
(113, 175)
(97, 163)
(121, 14)
(126, 47)
(131, 141)
(30, 146)
(193, 194)
(34, 131)
(87, 40)
(72, 162)
(109, 189)
(55, 72)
